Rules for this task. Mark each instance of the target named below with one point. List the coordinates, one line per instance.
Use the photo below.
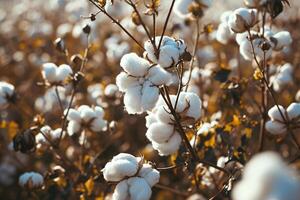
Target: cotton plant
(170, 51)
(162, 131)
(224, 34)
(277, 123)
(140, 82)
(7, 94)
(133, 177)
(31, 180)
(269, 178)
(182, 7)
(47, 136)
(85, 117)
(56, 75)
(242, 19)
(282, 77)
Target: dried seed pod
(25, 141)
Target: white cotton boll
(73, 127)
(62, 72)
(181, 7)
(86, 113)
(194, 102)
(241, 37)
(73, 115)
(31, 180)
(98, 125)
(134, 65)
(99, 112)
(6, 90)
(149, 174)
(159, 132)
(287, 68)
(163, 116)
(121, 166)
(150, 96)
(242, 19)
(124, 81)
(150, 119)
(110, 90)
(275, 127)
(56, 134)
(247, 51)
(283, 39)
(121, 191)
(223, 34)
(159, 76)
(225, 16)
(275, 114)
(293, 111)
(49, 72)
(170, 147)
(132, 100)
(168, 56)
(139, 189)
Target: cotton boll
(194, 101)
(62, 72)
(150, 119)
(149, 174)
(99, 112)
(242, 19)
(73, 127)
(163, 116)
(73, 115)
(121, 191)
(86, 113)
(49, 72)
(181, 8)
(275, 114)
(134, 65)
(247, 51)
(132, 100)
(159, 132)
(139, 189)
(168, 56)
(169, 147)
(282, 39)
(31, 180)
(293, 111)
(124, 81)
(241, 37)
(275, 127)
(121, 166)
(110, 90)
(223, 34)
(150, 96)
(98, 125)
(158, 76)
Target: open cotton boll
(54, 74)
(242, 19)
(247, 52)
(49, 72)
(99, 112)
(150, 119)
(241, 37)
(169, 147)
(98, 125)
(73, 115)
(121, 166)
(139, 189)
(110, 90)
(124, 81)
(150, 95)
(275, 127)
(159, 76)
(159, 132)
(31, 180)
(282, 39)
(6, 92)
(121, 191)
(223, 34)
(149, 174)
(132, 100)
(62, 72)
(163, 116)
(194, 102)
(181, 8)
(134, 65)
(73, 127)
(293, 111)
(275, 114)
(86, 113)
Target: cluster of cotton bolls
(182, 7)
(170, 51)
(56, 75)
(97, 92)
(7, 92)
(134, 177)
(277, 124)
(48, 136)
(269, 178)
(85, 117)
(31, 180)
(161, 126)
(139, 82)
(282, 77)
(116, 48)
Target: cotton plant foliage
(134, 178)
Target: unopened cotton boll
(56, 74)
(7, 92)
(242, 19)
(281, 39)
(31, 180)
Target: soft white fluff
(159, 132)
(242, 19)
(6, 91)
(247, 51)
(46, 134)
(169, 147)
(136, 178)
(56, 74)
(140, 83)
(224, 34)
(181, 7)
(110, 90)
(283, 77)
(170, 51)
(31, 180)
(293, 111)
(282, 39)
(87, 117)
(269, 178)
